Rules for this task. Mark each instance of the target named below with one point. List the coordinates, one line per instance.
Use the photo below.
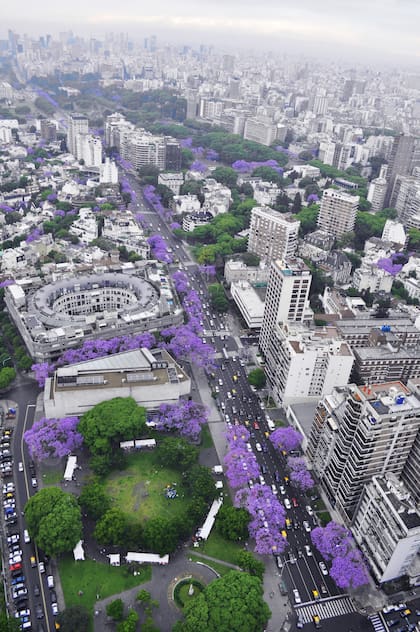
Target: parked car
(296, 596)
(323, 568)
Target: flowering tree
(159, 248)
(186, 417)
(181, 282)
(53, 438)
(185, 344)
(241, 466)
(336, 544)
(199, 166)
(302, 479)
(286, 438)
(237, 437)
(350, 571)
(42, 370)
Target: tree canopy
(54, 520)
(232, 603)
(232, 522)
(177, 453)
(74, 618)
(257, 378)
(110, 422)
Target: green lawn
(217, 566)
(52, 476)
(139, 491)
(216, 546)
(94, 578)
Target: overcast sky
(343, 27)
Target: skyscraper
(77, 124)
(359, 432)
(400, 163)
(272, 235)
(287, 296)
(337, 214)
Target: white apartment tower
(359, 432)
(77, 124)
(386, 526)
(272, 235)
(377, 190)
(287, 296)
(337, 214)
(89, 149)
(304, 365)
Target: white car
(54, 608)
(249, 447)
(262, 480)
(20, 466)
(41, 567)
(306, 526)
(282, 490)
(309, 510)
(220, 382)
(287, 503)
(274, 489)
(297, 596)
(26, 536)
(323, 568)
(229, 395)
(258, 447)
(250, 483)
(308, 550)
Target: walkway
(214, 559)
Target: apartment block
(337, 213)
(272, 235)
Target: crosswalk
(376, 621)
(325, 609)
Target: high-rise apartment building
(386, 526)
(77, 124)
(377, 191)
(287, 296)
(272, 235)
(359, 432)
(400, 163)
(406, 196)
(303, 365)
(89, 149)
(337, 213)
(264, 132)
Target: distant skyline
(343, 28)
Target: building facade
(287, 297)
(337, 213)
(359, 432)
(272, 235)
(386, 526)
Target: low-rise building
(386, 526)
(173, 181)
(239, 271)
(186, 204)
(250, 302)
(151, 377)
(86, 226)
(192, 220)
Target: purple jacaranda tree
(159, 248)
(52, 197)
(175, 226)
(243, 166)
(333, 540)
(350, 571)
(185, 344)
(302, 479)
(59, 213)
(186, 142)
(240, 467)
(237, 437)
(100, 348)
(42, 370)
(181, 282)
(53, 438)
(34, 235)
(208, 270)
(184, 417)
(7, 282)
(198, 166)
(286, 438)
(268, 542)
(211, 154)
(336, 544)
(312, 198)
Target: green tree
(297, 204)
(161, 535)
(13, 217)
(54, 520)
(218, 298)
(232, 603)
(201, 483)
(115, 610)
(130, 623)
(232, 522)
(94, 500)
(112, 421)
(268, 174)
(8, 624)
(176, 453)
(250, 564)
(308, 219)
(166, 194)
(226, 176)
(7, 375)
(257, 378)
(74, 618)
(111, 528)
(149, 174)
(144, 596)
(414, 239)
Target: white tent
(78, 551)
(70, 467)
(205, 530)
(146, 558)
(114, 559)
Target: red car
(295, 502)
(256, 425)
(15, 567)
